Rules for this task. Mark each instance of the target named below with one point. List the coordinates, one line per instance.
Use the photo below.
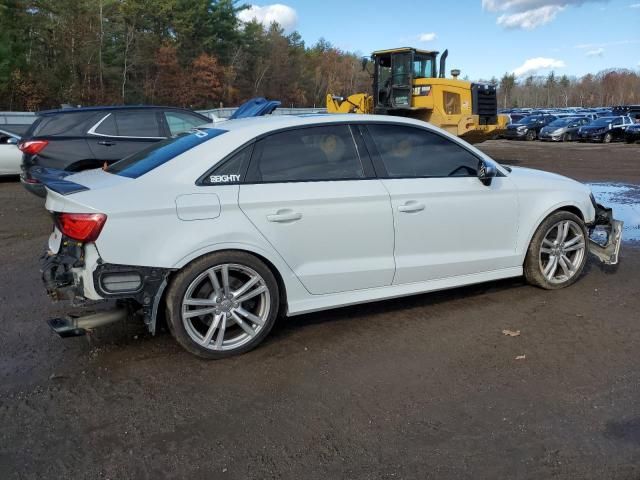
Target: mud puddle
(624, 198)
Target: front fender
(588, 215)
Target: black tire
(184, 278)
(566, 137)
(630, 140)
(607, 138)
(531, 135)
(532, 264)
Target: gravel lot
(423, 387)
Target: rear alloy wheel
(607, 138)
(558, 252)
(222, 305)
(531, 135)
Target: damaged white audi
(222, 230)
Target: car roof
(260, 125)
(111, 108)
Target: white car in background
(227, 226)
(10, 156)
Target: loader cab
(395, 71)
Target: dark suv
(529, 127)
(84, 138)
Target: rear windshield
(161, 152)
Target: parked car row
(563, 128)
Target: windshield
(531, 119)
(161, 152)
(562, 122)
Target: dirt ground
(423, 387)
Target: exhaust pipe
(443, 63)
(72, 326)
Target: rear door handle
(411, 207)
(106, 143)
(284, 216)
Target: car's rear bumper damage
(607, 249)
(77, 273)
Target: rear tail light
(83, 227)
(32, 147)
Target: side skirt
(343, 299)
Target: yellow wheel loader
(406, 83)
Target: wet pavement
(625, 201)
(421, 387)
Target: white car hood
(523, 176)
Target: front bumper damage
(77, 273)
(606, 249)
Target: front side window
(138, 124)
(181, 122)
(308, 154)
(408, 152)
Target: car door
(447, 223)
(10, 156)
(312, 194)
(120, 133)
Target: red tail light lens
(83, 227)
(31, 147)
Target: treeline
(192, 53)
(607, 88)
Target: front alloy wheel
(558, 251)
(223, 304)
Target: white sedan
(226, 227)
(10, 156)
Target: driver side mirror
(486, 172)
(12, 141)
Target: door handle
(411, 207)
(284, 216)
(106, 143)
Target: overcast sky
(485, 38)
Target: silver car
(563, 129)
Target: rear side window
(108, 126)
(408, 152)
(138, 124)
(161, 152)
(62, 124)
(181, 122)
(308, 154)
(231, 171)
